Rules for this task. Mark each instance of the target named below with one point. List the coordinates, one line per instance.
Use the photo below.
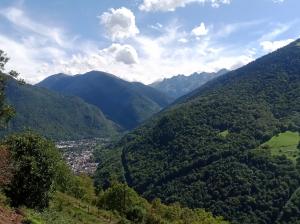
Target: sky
(142, 40)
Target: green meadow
(285, 143)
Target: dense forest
(53, 114)
(205, 152)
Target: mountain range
(125, 103)
(213, 148)
(54, 115)
(101, 104)
(180, 85)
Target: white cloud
(171, 5)
(121, 53)
(200, 30)
(183, 40)
(157, 26)
(269, 46)
(140, 58)
(277, 31)
(18, 18)
(119, 23)
(278, 1)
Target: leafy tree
(35, 162)
(121, 198)
(6, 112)
(135, 209)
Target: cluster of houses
(79, 154)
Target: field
(284, 144)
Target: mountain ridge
(125, 103)
(54, 115)
(180, 85)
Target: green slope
(54, 115)
(65, 209)
(184, 155)
(285, 143)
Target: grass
(68, 210)
(224, 134)
(284, 144)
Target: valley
(79, 154)
(150, 112)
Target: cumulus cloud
(121, 53)
(119, 23)
(269, 46)
(142, 58)
(171, 5)
(200, 30)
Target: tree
(6, 112)
(35, 161)
(6, 168)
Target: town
(79, 154)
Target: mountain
(209, 150)
(180, 85)
(55, 115)
(125, 103)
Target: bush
(35, 162)
(136, 214)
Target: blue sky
(142, 40)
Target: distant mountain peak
(180, 85)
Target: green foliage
(180, 155)
(3, 60)
(224, 134)
(134, 209)
(35, 167)
(6, 112)
(121, 198)
(80, 187)
(53, 115)
(110, 168)
(291, 211)
(64, 209)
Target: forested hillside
(205, 150)
(54, 115)
(125, 103)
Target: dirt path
(9, 217)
